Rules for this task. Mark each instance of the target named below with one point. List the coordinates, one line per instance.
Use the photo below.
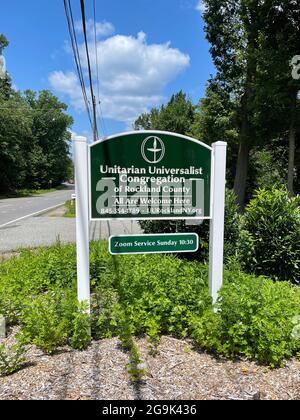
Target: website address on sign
(153, 211)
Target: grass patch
(70, 209)
(147, 295)
(29, 193)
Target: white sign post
(216, 236)
(82, 219)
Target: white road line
(32, 214)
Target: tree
(50, 140)
(5, 81)
(215, 120)
(177, 116)
(15, 130)
(279, 44)
(232, 28)
(34, 138)
(253, 43)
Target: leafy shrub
(44, 323)
(231, 233)
(270, 237)
(254, 318)
(12, 359)
(152, 295)
(81, 337)
(156, 295)
(24, 278)
(268, 169)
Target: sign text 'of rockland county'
(146, 175)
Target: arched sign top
(151, 132)
(150, 175)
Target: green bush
(11, 359)
(53, 320)
(81, 336)
(151, 295)
(231, 233)
(254, 318)
(156, 294)
(24, 278)
(270, 236)
(45, 323)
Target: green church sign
(150, 175)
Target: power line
(72, 32)
(31, 109)
(95, 129)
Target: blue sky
(148, 50)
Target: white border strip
(154, 252)
(140, 219)
(167, 133)
(32, 215)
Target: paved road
(45, 230)
(21, 227)
(15, 209)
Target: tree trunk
(240, 181)
(292, 147)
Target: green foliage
(269, 168)
(148, 295)
(3, 43)
(46, 322)
(34, 141)
(215, 120)
(70, 209)
(270, 237)
(11, 359)
(81, 337)
(34, 138)
(177, 116)
(254, 319)
(232, 220)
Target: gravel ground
(178, 372)
(45, 231)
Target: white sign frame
(83, 215)
(146, 133)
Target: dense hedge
(270, 235)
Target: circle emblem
(153, 149)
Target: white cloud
(66, 83)
(103, 29)
(133, 75)
(201, 7)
